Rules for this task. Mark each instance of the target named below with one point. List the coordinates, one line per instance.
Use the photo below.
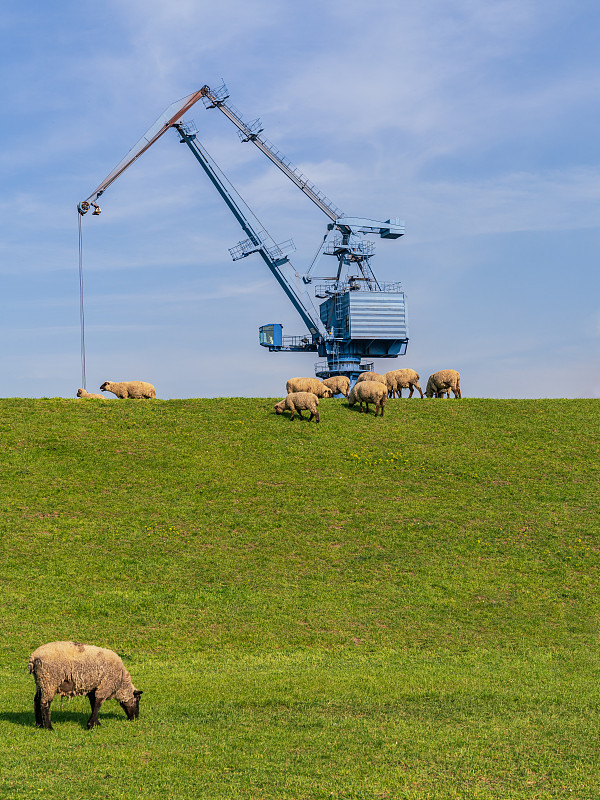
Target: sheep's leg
(300, 413)
(412, 388)
(420, 391)
(37, 709)
(91, 696)
(93, 720)
(399, 392)
(45, 713)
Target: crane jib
(167, 119)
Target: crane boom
(258, 240)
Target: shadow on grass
(355, 409)
(27, 718)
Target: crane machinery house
(358, 317)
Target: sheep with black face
(312, 385)
(299, 401)
(72, 669)
(440, 383)
(369, 392)
(137, 390)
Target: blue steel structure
(359, 318)
(363, 318)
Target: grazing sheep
(443, 381)
(83, 393)
(371, 376)
(398, 379)
(70, 669)
(369, 392)
(339, 384)
(135, 389)
(312, 385)
(299, 401)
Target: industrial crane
(359, 317)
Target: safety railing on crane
(356, 283)
(277, 252)
(249, 132)
(291, 169)
(338, 365)
(361, 249)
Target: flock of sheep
(303, 393)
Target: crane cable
(81, 312)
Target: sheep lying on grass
(83, 393)
(135, 389)
(398, 379)
(299, 401)
(339, 384)
(371, 376)
(70, 669)
(443, 381)
(369, 392)
(313, 385)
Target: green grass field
(404, 607)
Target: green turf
(403, 607)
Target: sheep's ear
(137, 693)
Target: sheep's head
(327, 392)
(80, 392)
(279, 407)
(132, 707)
(104, 386)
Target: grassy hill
(403, 607)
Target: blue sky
(476, 122)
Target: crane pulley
(360, 317)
